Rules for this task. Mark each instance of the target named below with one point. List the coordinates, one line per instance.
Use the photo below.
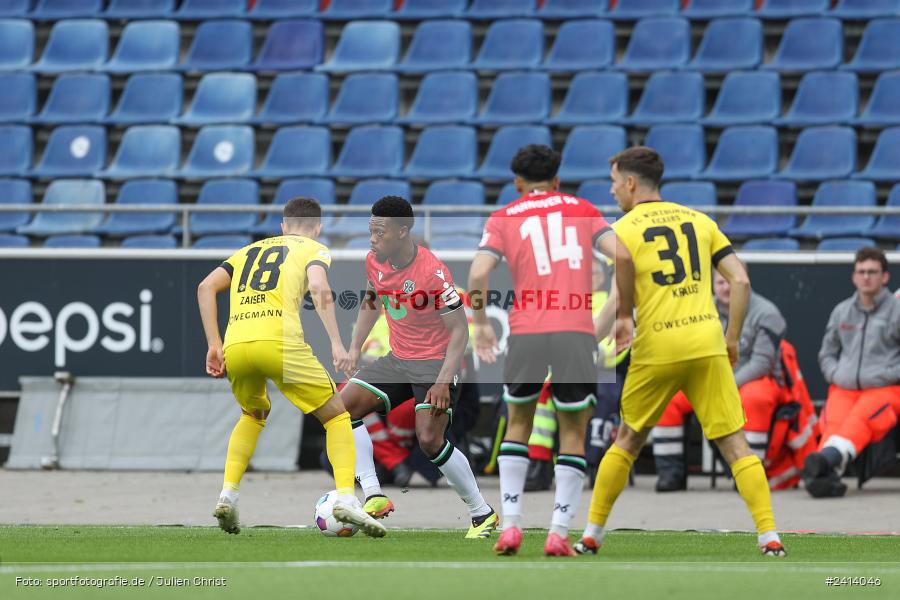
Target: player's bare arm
(479, 279)
(733, 270)
(439, 394)
(624, 329)
(216, 282)
(320, 290)
(365, 320)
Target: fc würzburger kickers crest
(409, 286)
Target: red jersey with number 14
(415, 298)
(547, 239)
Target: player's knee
(630, 440)
(260, 414)
(430, 442)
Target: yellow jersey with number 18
(268, 283)
(674, 249)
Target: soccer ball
(326, 521)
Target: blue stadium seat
(844, 244)
(365, 193)
(771, 245)
(657, 44)
(146, 151)
(572, 9)
(596, 192)
(53, 10)
(746, 98)
(438, 45)
(291, 45)
(222, 98)
(148, 98)
(507, 194)
(517, 98)
(19, 98)
(365, 46)
(581, 45)
(73, 151)
(68, 191)
(150, 242)
(366, 98)
(455, 242)
(789, 9)
(762, 193)
(587, 151)
(729, 45)
(690, 193)
(223, 242)
(14, 191)
(360, 242)
(671, 98)
(16, 44)
(487, 10)
(809, 44)
(13, 241)
(629, 10)
(16, 147)
(321, 190)
(682, 148)
(142, 191)
(139, 9)
(454, 192)
(865, 9)
(297, 151)
(594, 98)
(444, 152)
(220, 46)
(14, 8)
(824, 98)
(226, 191)
(344, 10)
(839, 193)
(220, 151)
(822, 153)
(431, 9)
(715, 9)
(884, 163)
(295, 98)
(210, 9)
(77, 98)
(72, 241)
(357, 159)
(879, 48)
(511, 44)
(744, 152)
(447, 97)
(505, 143)
(283, 9)
(75, 45)
(146, 46)
(888, 226)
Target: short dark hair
(303, 212)
(536, 162)
(871, 253)
(395, 208)
(642, 162)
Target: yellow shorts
(707, 382)
(294, 369)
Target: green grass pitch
(263, 563)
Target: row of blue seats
(516, 97)
(418, 9)
(655, 44)
(742, 152)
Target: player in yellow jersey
(679, 345)
(264, 340)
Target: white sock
(768, 536)
(513, 472)
(349, 499)
(455, 467)
(229, 495)
(569, 484)
(597, 532)
(365, 462)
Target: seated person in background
(860, 358)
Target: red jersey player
(547, 238)
(428, 336)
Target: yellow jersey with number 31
(268, 283)
(674, 249)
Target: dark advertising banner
(138, 317)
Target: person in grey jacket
(759, 379)
(860, 358)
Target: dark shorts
(570, 356)
(395, 381)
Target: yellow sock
(750, 477)
(612, 475)
(341, 450)
(240, 449)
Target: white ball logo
(224, 151)
(80, 147)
